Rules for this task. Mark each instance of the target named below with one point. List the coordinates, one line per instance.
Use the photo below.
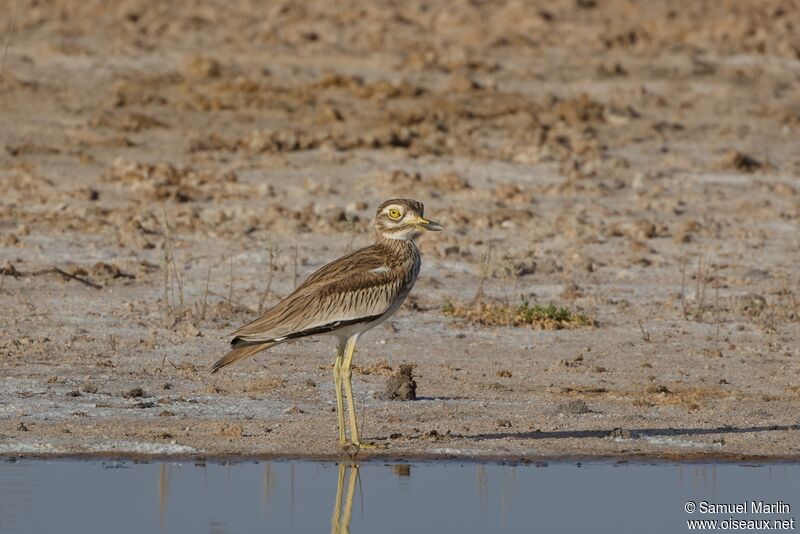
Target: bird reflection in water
(347, 480)
(343, 507)
(340, 521)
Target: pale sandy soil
(634, 161)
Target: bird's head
(401, 218)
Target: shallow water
(65, 496)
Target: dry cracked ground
(166, 172)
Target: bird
(345, 298)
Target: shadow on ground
(631, 433)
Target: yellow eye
(394, 213)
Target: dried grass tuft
(544, 317)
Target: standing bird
(345, 298)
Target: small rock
(22, 428)
(134, 393)
(573, 407)
(524, 268)
(621, 433)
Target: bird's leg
(337, 507)
(337, 382)
(340, 521)
(348, 503)
(347, 369)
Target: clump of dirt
(165, 181)
(579, 110)
(400, 386)
(739, 161)
(90, 388)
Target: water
(66, 496)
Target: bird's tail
(240, 353)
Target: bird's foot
(355, 446)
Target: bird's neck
(397, 247)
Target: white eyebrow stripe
(381, 269)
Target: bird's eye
(394, 213)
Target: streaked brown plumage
(345, 297)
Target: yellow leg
(337, 382)
(348, 503)
(337, 506)
(347, 370)
(340, 521)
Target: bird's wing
(353, 289)
(362, 260)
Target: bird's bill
(425, 224)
